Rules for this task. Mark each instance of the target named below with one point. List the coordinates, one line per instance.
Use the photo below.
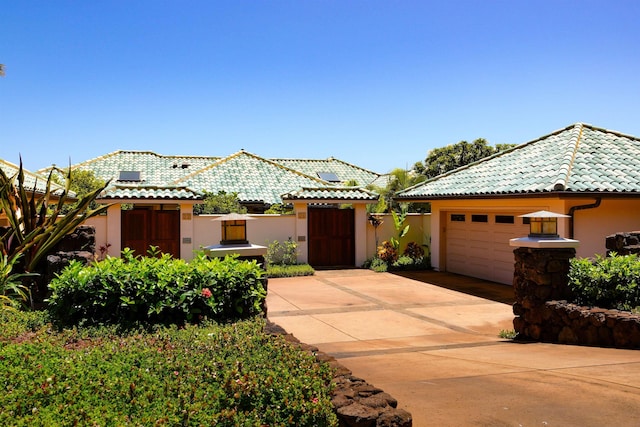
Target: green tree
(280, 208)
(83, 182)
(399, 179)
(221, 203)
(445, 159)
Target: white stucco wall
(100, 224)
(197, 231)
(261, 230)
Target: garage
(477, 243)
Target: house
(159, 192)
(588, 173)
(34, 184)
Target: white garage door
(478, 244)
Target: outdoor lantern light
(234, 240)
(234, 229)
(543, 223)
(543, 232)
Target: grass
(507, 334)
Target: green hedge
(132, 290)
(230, 375)
(608, 282)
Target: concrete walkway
(436, 349)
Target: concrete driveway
(432, 343)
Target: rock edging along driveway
(356, 402)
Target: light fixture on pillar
(543, 223)
(543, 231)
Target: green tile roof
(254, 178)
(382, 181)
(149, 192)
(155, 169)
(344, 194)
(577, 159)
(343, 170)
(31, 180)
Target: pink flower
(206, 293)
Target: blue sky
(375, 83)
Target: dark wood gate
(142, 228)
(331, 237)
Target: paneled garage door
(478, 244)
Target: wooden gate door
(331, 237)
(142, 228)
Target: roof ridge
(484, 159)
(254, 156)
(26, 171)
(36, 176)
(8, 163)
(215, 163)
(281, 166)
(353, 165)
(569, 157)
(327, 160)
(615, 132)
(101, 157)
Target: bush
(130, 290)
(387, 252)
(276, 270)
(231, 375)
(609, 282)
(414, 251)
(285, 253)
(378, 265)
(402, 263)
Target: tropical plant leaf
(35, 224)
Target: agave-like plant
(36, 223)
(13, 294)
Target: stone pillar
(541, 275)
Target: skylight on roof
(129, 176)
(328, 176)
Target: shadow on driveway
(468, 285)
